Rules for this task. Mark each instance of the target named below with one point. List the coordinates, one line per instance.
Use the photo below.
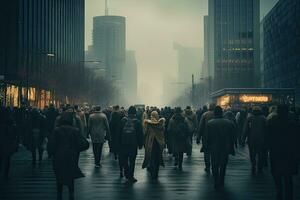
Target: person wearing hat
(179, 131)
(131, 138)
(154, 143)
(254, 132)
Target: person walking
(131, 137)
(254, 132)
(8, 140)
(154, 143)
(114, 125)
(179, 130)
(65, 145)
(193, 124)
(99, 132)
(37, 134)
(220, 140)
(282, 144)
(201, 134)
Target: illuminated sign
(224, 101)
(255, 98)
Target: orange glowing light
(255, 98)
(224, 101)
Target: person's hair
(188, 108)
(178, 110)
(97, 108)
(132, 110)
(212, 106)
(218, 111)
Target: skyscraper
(281, 39)
(130, 77)
(42, 48)
(234, 43)
(109, 44)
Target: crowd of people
(271, 134)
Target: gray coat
(98, 127)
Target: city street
(32, 183)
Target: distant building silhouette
(281, 39)
(109, 44)
(130, 74)
(42, 46)
(234, 43)
(189, 63)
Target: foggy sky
(152, 27)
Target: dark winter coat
(114, 125)
(180, 144)
(254, 132)
(220, 139)
(37, 129)
(282, 143)
(8, 137)
(132, 149)
(65, 145)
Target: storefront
(237, 98)
(13, 96)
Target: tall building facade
(189, 63)
(130, 74)
(281, 29)
(109, 44)
(42, 49)
(234, 43)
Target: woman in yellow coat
(154, 143)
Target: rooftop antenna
(106, 7)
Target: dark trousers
(284, 183)
(97, 149)
(257, 158)
(179, 159)
(155, 159)
(36, 147)
(60, 190)
(128, 164)
(4, 165)
(219, 170)
(207, 160)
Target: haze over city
(152, 26)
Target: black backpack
(129, 136)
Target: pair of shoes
(132, 180)
(180, 168)
(121, 175)
(98, 165)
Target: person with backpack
(131, 137)
(65, 145)
(99, 132)
(179, 129)
(154, 143)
